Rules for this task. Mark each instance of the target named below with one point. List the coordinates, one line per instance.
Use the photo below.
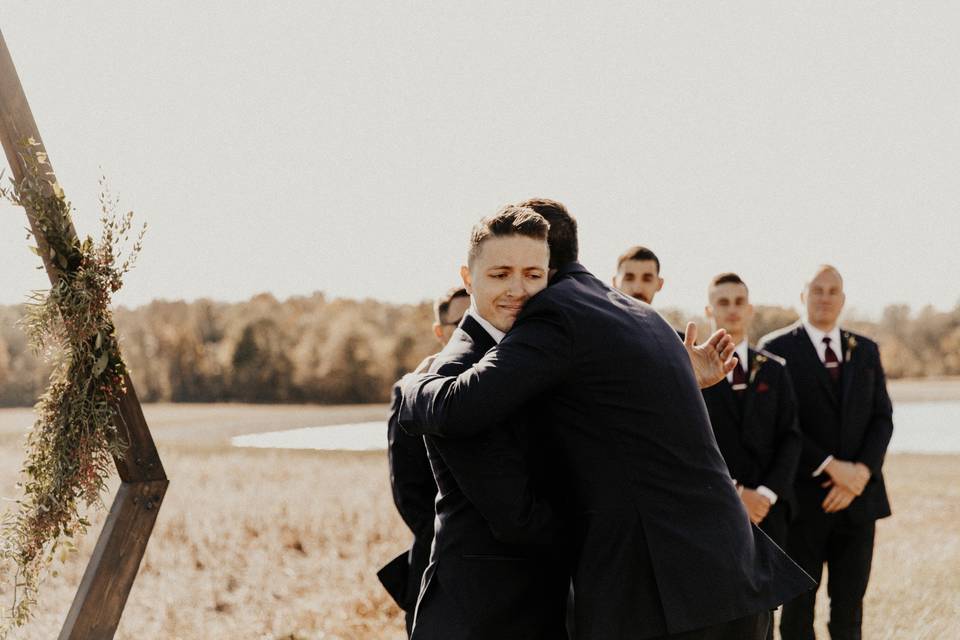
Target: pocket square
(763, 386)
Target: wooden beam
(103, 592)
(112, 568)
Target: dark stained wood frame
(103, 592)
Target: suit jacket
(414, 492)
(495, 551)
(664, 543)
(758, 434)
(853, 422)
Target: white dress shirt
(816, 337)
(495, 333)
(743, 359)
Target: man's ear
(660, 281)
(467, 280)
(438, 331)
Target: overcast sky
(348, 147)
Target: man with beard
(494, 570)
(638, 274)
(664, 547)
(411, 479)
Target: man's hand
(713, 359)
(758, 506)
(838, 499)
(851, 476)
(426, 363)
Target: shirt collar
(816, 337)
(495, 333)
(742, 351)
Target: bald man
(846, 421)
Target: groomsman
(846, 421)
(411, 479)
(638, 274)
(754, 414)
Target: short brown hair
(510, 220)
(638, 252)
(564, 246)
(728, 277)
(442, 304)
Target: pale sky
(349, 147)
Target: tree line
(311, 349)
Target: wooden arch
(113, 567)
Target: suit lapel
(751, 392)
(482, 341)
(730, 399)
(809, 352)
(848, 372)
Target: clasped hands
(757, 505)
(847, 480)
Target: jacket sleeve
(812, 454)
(535, 355)
(878, 432)
(789, 441)
(411, 479)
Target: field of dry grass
(265, 544)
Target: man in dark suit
(846, 422)
(411, 479)
(663, 543)
(754, 415)
(495, 569)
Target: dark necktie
(739, 384)
(830, 361)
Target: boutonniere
(755, 366)
(851, 345)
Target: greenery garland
(77, 431)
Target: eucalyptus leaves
(77, 433)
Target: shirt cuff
(768, 494)
(823, 465)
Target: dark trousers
(752, 627)
(847, 549)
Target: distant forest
(315, 350)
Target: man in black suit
(754, 415)
(495, 570)
(663, 543)
(411, 479)
(846, 422)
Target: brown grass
(266, 544)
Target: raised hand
(713, 359)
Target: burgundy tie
(739, 384)
(831, 361)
